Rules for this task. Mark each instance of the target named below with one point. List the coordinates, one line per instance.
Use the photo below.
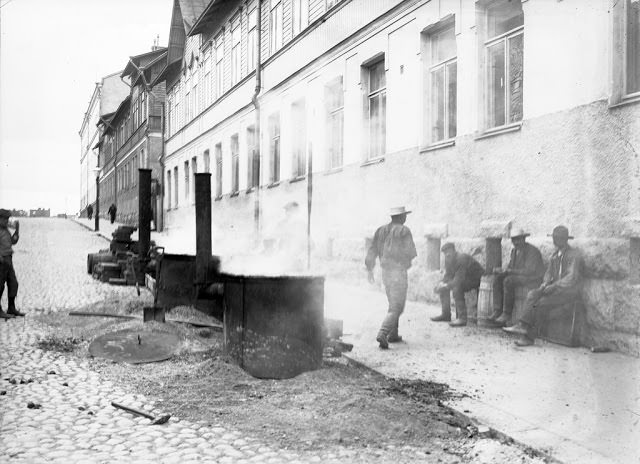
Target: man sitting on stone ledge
(560, 286)
(462, 274)
(525, 269)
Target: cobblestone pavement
(70, 418)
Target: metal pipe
(256, 104)
(203, 225)
(97, 211)
(144, 212)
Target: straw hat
(398, 210)
(518, 233)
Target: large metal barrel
(273, 326)
(95, 258)
(485, 300)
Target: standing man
(7, 273)
(89, 212)
(561, 285)
(113, 209)
(393, 244)
(462, 273)
(525, 269)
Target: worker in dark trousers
(393, 244)
(113, 209)
(7, 273)
(462, 274)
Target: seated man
(525, 269)
(462, 273)
(561, 285)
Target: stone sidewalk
(577, 406)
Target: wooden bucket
(485, 300)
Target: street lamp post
(97, 211)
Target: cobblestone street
(76, 422)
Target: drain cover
(135, 346)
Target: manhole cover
(135, 346)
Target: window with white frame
(170, 114)
(219, 66)
(218, 155)
(275, 25)
(274, 148)
(143, 105)
(207, 78)
(632, 47)
(299, 15)
(176, 186)
(207, 161)
(299, 138)
(187, 183)
(504, 58)
(376, 109)
(252, 39)
(443, 87)
(235, 164)
(194, 170)
(334, 104)
(235, 54)
(253, 160)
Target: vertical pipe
(203, 225)
(144, 212)
(256, 103)
(97, 211)
(309, 201)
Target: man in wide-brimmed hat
(462, 273)
(393, 244)
(561, 285)
(525, 269)
(7, 273)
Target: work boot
(524, 340)
(458, 323)
(501, 321)
(12, 308)
(382, 340)
(496, 314)
(4, 315)
(394, 338)
(442, 318)
(519, 329)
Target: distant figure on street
(525, 269)
(89, 212)
(113, 209)
(393, 244)
(462, 274)
(7, 273)
(561, 285)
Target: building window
(252, 39)
(143, 106)
(194, 170)
(376, 109)
(175, 190)
(300, 15)
(253, 159)
(187, 184)
(632, 48)
(169, 189)
(443, 92)
(207, 161)
(334, 104)
(299, 138)
(218, 154)
(235, 54)
(235, 164)
(219, 67)
(274, 147)
(504, 61)
(207, 79)
(275, 23)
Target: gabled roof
(211, 17)
(191, 11)
(142, 61)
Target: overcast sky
(51, 55)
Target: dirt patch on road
(339, 406)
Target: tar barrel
(485, 300)
(273, 326)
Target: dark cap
(5, 213)
(561, 232)
(448, 246)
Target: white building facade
(521, 112)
